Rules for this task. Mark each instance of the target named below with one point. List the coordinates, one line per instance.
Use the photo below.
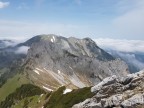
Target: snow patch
(66, 91)
(36, 72)
(47, 88)
(53, 39)
(70, 67)
(39, 69)
(41, 95)
(59, 72)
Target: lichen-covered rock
(135, 100)
(112, 92)
(106, 81)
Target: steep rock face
(112, 92)
(54, 61)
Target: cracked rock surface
(114, 92)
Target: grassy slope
(25, 91)
(60, 100)
(32, 102)
(56, 100)
(11, 85)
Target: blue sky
(117, 19)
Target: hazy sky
(116, 19)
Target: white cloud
(4, 4)
(130, 58)
(125, 49)
(22, 50)
(130, 22)
(121, 45)
(16, 29)
(9, 43)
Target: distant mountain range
(33, 73)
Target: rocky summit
(114, 92)
(54, 61)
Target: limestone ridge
(112, 92)
(53, 61)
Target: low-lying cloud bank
(131, 51)
(131, 58)
(22, 50)
(9, 43)
(6, 43)
(121, 45)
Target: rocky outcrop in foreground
(112, 92)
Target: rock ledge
(112, 92)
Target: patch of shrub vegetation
(26, 102)
(26, 90)
(60, 100)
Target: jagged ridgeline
(53, 64)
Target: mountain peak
(69, 61)
(75, 46)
